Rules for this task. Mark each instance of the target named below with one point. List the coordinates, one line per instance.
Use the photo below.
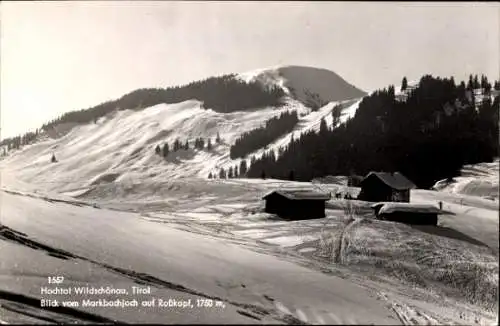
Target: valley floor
(210, 238)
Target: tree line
(17, 142)
(232, 172)
(222, 94)
(263, 136)
(313, 100)
(428, 137)
(199, 143)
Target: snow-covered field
(107, 248)
(445, 275)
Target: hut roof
(393, 207)
(300, 195)
(394, 180)
(377, 205)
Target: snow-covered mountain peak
(305, 83)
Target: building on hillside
(401, 97)
(296, 204)
(479, 91)
(385, 186)
(416, 214)
(411, 88)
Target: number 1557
(55, 279)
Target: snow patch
(477, 180)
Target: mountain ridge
(225, 93)
(303, 82)
(121, 146)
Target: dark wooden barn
(296, 204)
(385, 186)
(416, 214)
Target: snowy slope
(224, 219)
(120, 250)
(120, 146)
(310, 121)
(476, 180)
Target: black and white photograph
(249, 162)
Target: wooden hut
(416, 214)
(385, 186)
(296, 204)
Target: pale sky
(63, 56)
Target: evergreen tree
(391, 92)
(218, 140)
(476, 83)
(210, 175)
(236, 175)
(263, 175)
(209, 144)
(487, 89)
(230, 172)
(470, 83)
(485, 84)
(461, 91)
(53, 159)
(222, 173)
(177, 145)
(336, 113)
(199, 143)
(165, 150)
(404, 84)
(243, 168)
(484, 81)
(323, 128)
(158, 150)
